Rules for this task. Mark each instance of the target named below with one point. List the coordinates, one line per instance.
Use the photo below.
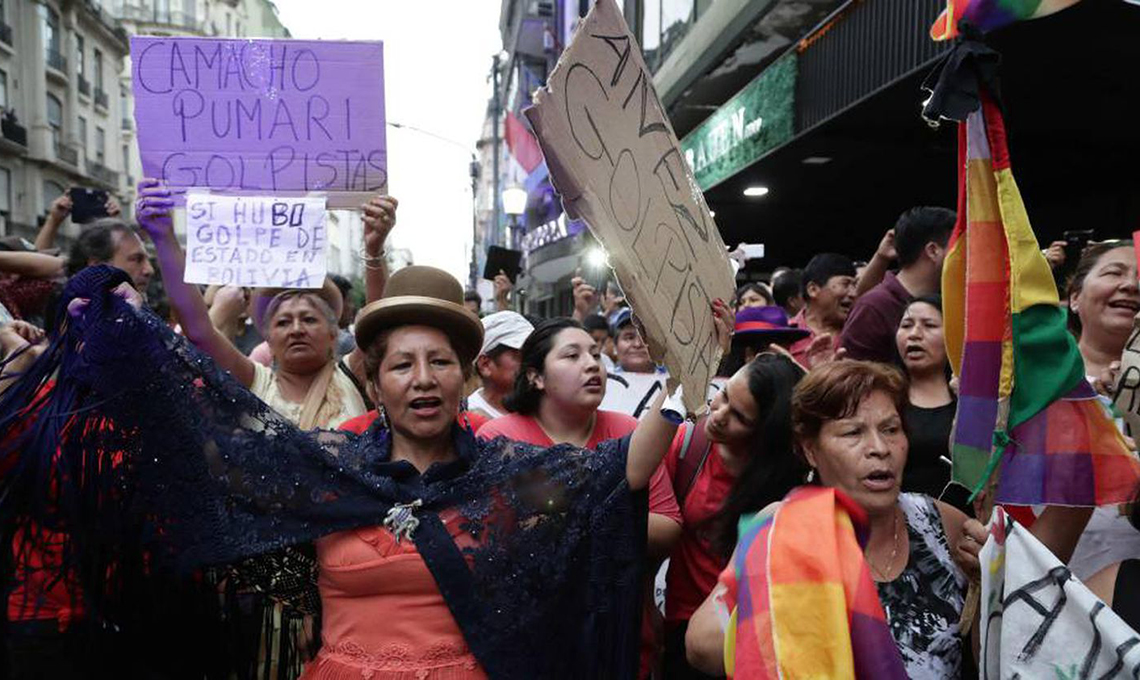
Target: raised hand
(60, 207)
(585, 297)
(503, 288)
(154, 208)
(379, 219)
(723, 324)
(886, 249)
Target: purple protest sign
(262, 116)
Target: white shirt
(477, 402)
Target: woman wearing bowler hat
(437, 555)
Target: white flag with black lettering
(1038, 621)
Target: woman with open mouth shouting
(847, 423)
(437, 554)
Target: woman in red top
(748, 463)
(560, 385)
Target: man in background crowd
(498, 362)
(786, 284)
(920, 238)
(828, 290)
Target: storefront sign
(615, 161)
(756, 120)
(262, 116)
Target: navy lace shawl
(144, 444)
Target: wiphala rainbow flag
(987, 15)
(1025, 409)
(805, 558)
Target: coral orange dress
(383, 615)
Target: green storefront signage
(756, 120)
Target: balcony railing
(102, 173)
(155, 15)
(84, 86)
(100, 97)
(5, 34)
(13, 131)
(56, 60)
(67, 154)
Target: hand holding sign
(154, 209)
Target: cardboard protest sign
(262, 116)
(614, 159)
(1038, 621)
(255, 241)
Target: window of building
(100, 145)
(126, 159)
(664, 23)
(162, 11)
(97, 64)
(125, 108)
(650, 31)
(5, 190)
(55, 118)
(3, 89)
(52, 191)
(81, 131)
(80, 59)
(49, 23)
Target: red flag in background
(521, 142)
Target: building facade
(62, 123)
(534, 33)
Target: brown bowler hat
(422, 296)
(261, 297)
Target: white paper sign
(633, 393)
(1038, 621)
(256, 241)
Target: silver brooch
(401, 519)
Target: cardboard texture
(262, 116)
(256, 241)
(614, 159)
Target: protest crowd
(405, 481)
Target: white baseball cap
(505, 328)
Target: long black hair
(525, 397)
(773, 468)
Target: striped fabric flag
(806, 557)
(1024, 406)
(987, 15)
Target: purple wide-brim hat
(759, 327)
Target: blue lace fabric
(144, 445)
